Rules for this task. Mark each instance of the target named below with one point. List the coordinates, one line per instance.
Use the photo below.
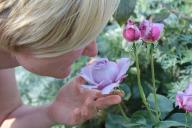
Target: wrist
(51, 113)
(47, 115)
(30, 117)
(4, 115)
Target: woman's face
(58, 67)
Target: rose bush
(105, 75)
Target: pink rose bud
(105, 75)
(184, 99)
(150, 32)
(131, 32)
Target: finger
(76, 116)
(91, 61)
(115, 92)
(91, 106)
(118, 92)
(84, 113)
(89, 109)
(107, 101)
(80, 80)
(90, 92)
(77, 81)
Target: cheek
(61, 66)
(69, 59)
(76, 54)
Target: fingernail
(81, 80)
(98, 94)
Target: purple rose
(105, 75)
(150, 32)
(184, 99)
(131, 32)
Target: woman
(46, 37)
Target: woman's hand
(75, 104)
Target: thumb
(91, 92)
(80, 80)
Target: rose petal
(123, 64)
(189, 89)
(89, 86)
(155, 32)
(87, 75)
(160, 26)
(187, 103)
(131, 32)
(108, 89)
(145, 28)
(179, 99)
(187, 99)
(151, 32)
(105, 71)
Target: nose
(91, 49)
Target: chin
(63, 74)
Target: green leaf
(116, 121)
(168, 124)
(126, 90)
(180, 117)
(162, 15)
(125, 10)
(139, 120)
(165, 105)
(187, 57)
(142, 118)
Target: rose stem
(68, 126)
(153, 82)
(123, 112)
(141, 91)
(186, 119)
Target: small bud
(131, 32)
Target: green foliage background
(173, 66)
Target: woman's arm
(9, 94)
(13, 114)
(73, 105)
(29, 117)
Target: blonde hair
(52, 27)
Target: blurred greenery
(173, 67)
